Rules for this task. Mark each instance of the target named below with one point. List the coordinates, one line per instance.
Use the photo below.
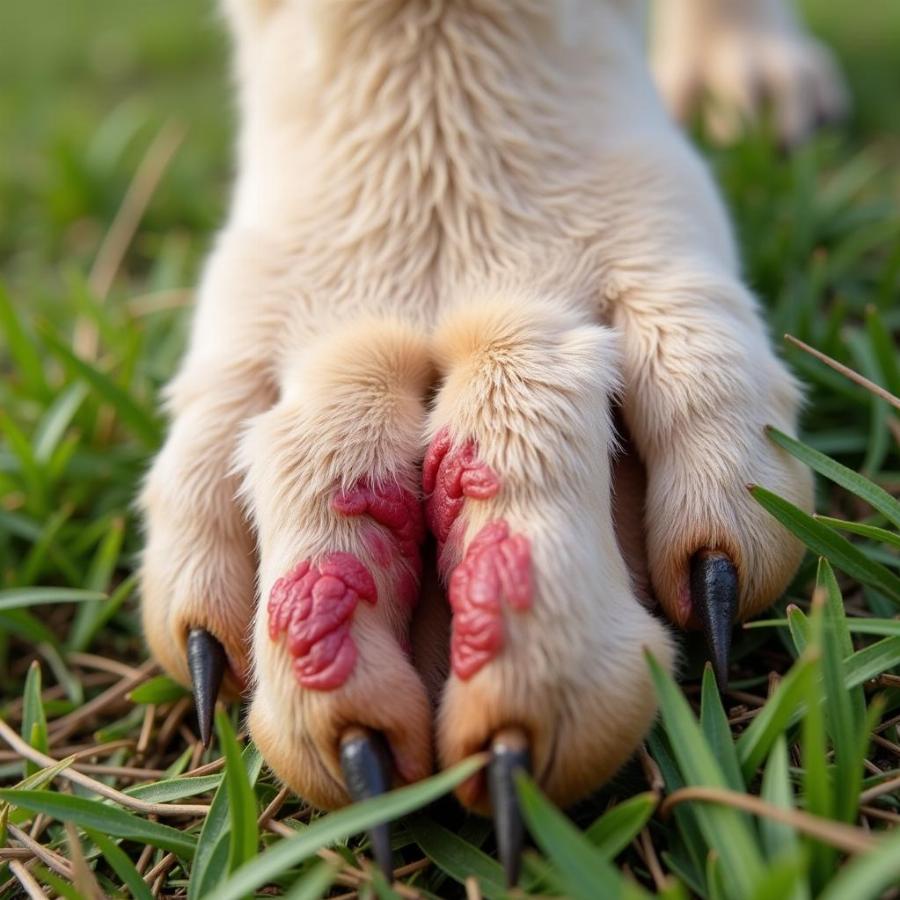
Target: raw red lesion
(396, 545)
(313, 607)
(495, 572)
(450, 475)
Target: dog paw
(731, 65)
(331, 486)
(547, 636)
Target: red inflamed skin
(312, 607)
(314, 604)
(450, 475)
(495, 573)
(394, 533)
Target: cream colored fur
(730, 57)
(485, 199)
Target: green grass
(806, 736)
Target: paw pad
(314, 606)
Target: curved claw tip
(509, 754)
(365, 762)
(714, 594)
(206, 662)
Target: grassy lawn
(116, 129)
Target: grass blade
(818, 798)
(725, 830)
(798, 623)
(777, 837)
(868, 876)
(34, 721)
(868, 531)
(884, 348)
(58, 884)
(715, 878)
(211, 859)
(169, 789)
(862, 666)
(845, 710)
(22, 346)
(138, 420)
(32, 782)
(342, 824)
(825, 542)
(109, 607)
(456, 856)
(884, 627)
(121, 865)
(160, 689)
(27, 597)
(857, 484)
(33, 478)
(619, 826)
(64, 676)
(27, 627)
(685, 817)
(99, 575)
(107, 819)
(718, 732)
(784, 879)
(776, 716)
(872, 661)
(584, 872)
(244, 833)
(314, 884)
(56, 420)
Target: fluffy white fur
(484, 198)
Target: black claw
(509, 754)
(365, 761)
(714, 595)
(206, 661)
